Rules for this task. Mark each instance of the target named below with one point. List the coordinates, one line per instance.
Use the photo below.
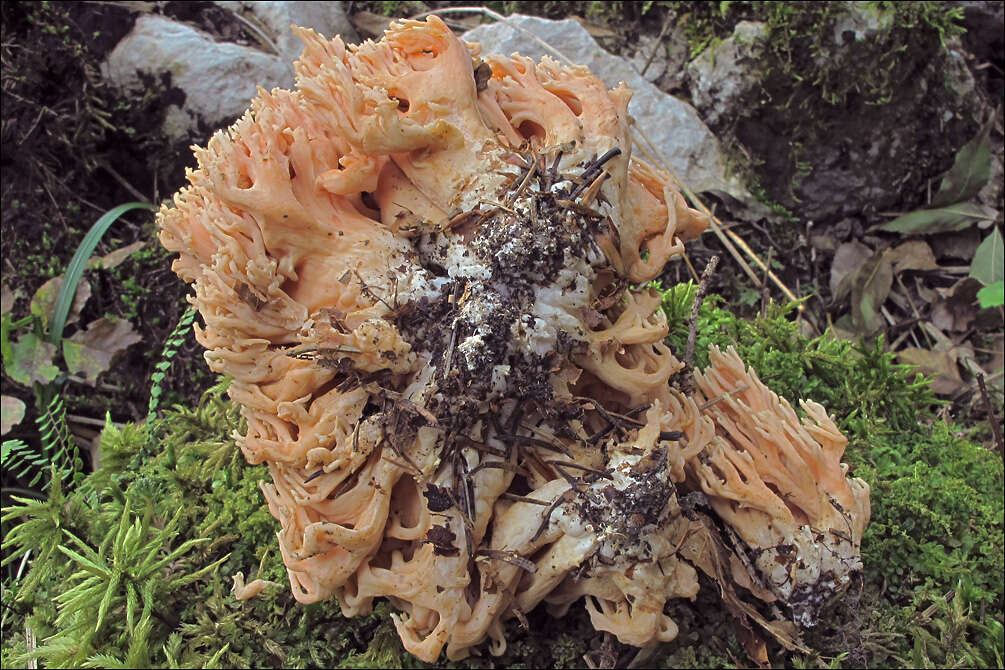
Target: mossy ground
(931, 592)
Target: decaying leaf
(32, 361)
(954, 311)
(941, 365)
(970, 171)
(913, 255)
(869, 290)
(7, 298)
(941, 220)
(11, 412)
(115, 258)
(847, 259)
(44, 300)
(988, 265)
(91, 352)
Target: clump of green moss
(933, 551)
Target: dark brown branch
(996, 427)
(692, 322)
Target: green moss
(936, 530)
(940, 514)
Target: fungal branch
(418, 268)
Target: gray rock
(859, 22)
(217, 78)
(825, 143)
(724, 76)
(672, 125)
(327, 18)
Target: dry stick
(725, 236)
(765, 294)
(656, 47)
(692, 322)
(995, 426)
(135, 192)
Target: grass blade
(79, 261)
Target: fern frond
(171, 345)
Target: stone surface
(218, 79)
(671, 124)
(723, 77)
(327, 18)
(825, 142)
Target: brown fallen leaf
(91, 352)
(913, 255)
(44, 301)
(869, 289)
(11, 412)
(959, 245)
(8, 298)
(997, 361)
(941, 365)
(848, 258)
(955, 309)
(115, 258)
(753, 644)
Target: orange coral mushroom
(420, 286)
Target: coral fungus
(419, 268)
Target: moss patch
(932, 552)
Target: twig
(726, 236)
(708, 403)
(88, 421)
(692, 322)
(525, 499)
(125, 184)
(659, 42)
(996, 428)
(765, 293)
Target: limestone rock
(723, 77)
(327, 18)
(671, 124)
(843, 124)
(218, 79)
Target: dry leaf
(11, 412)
(955, 309)
(869, 289)
(997, 361)
(959, 246)
(8, 298)
(91, 352)
(753, 644)
(115, 258)
(913, 255)
(939, 364)
(849, 257)
(44, 300)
